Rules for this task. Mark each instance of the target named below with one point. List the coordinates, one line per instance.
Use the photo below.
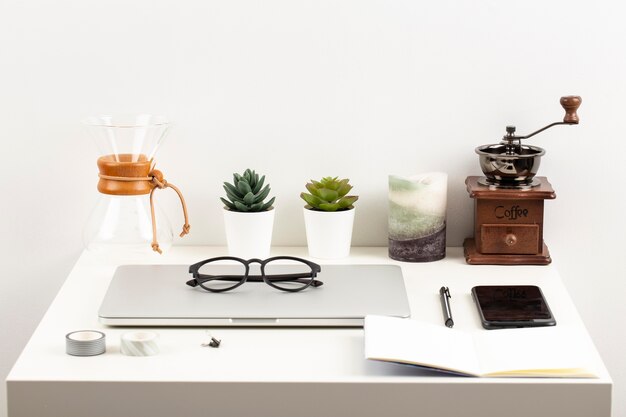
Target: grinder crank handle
(571, 104)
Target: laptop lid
(156, 295)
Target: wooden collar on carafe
(127, 174)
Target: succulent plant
(329, 194)
(246, 193)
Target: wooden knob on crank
(571, 104)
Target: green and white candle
(417, 217)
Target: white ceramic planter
(249, 235)
(329, 233)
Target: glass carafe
(122, 219)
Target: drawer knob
(510, 239)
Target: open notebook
(555, 352)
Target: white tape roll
(139, 343)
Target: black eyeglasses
(224, 273)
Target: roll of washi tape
(85, 343)
(139, 343)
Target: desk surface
(288, 372)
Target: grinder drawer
(522, 239)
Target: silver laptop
(156, 295)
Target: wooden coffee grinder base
(508, 224)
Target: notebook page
(556, 351)
(409, 341)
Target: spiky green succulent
(329, 194)
(246, 193)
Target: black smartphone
(511, 306)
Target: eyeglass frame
(312, 282)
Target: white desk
(286, 372)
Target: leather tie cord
(155, 177)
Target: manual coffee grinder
(508, 199)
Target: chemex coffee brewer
(508, 209)
(125, 216)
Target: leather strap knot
(157, 179)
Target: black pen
(444, 293)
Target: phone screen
(512, 303)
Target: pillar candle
(417, 217)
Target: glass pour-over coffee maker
(126, 217)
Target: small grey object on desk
(85, 343)
(417, 217)
(214, 343)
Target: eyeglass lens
(222, 275)
(288, 274)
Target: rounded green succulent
(246, 193)
(329, 194)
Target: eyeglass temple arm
(303, 278)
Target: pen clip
(445, 291)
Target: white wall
(299, 89)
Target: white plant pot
(249, 235)
(329, 233)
